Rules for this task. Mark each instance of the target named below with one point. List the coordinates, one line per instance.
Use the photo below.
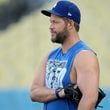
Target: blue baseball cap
(65, 9)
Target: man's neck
(70, 42)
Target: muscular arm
(39, 92)
(87, 68)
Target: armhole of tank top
(89, 50)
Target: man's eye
(56, 22)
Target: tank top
(58, 70)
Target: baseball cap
(65, 9)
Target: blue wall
(106, 101)
(17, 100)
(20, 100)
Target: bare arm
(39, 92)
(87, 68)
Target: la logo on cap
(69, 14)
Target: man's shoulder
(85, 57)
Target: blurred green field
(3, 1)
(23, 45)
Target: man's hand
(73, 93)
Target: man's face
(58, 29)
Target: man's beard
(61, 36)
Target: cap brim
(49, 12)
(46, 12)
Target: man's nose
(51, 26)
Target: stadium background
(25, 40)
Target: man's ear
(70, 25)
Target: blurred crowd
(12, 10)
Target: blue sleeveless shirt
(58, 74)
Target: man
(72, 63)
